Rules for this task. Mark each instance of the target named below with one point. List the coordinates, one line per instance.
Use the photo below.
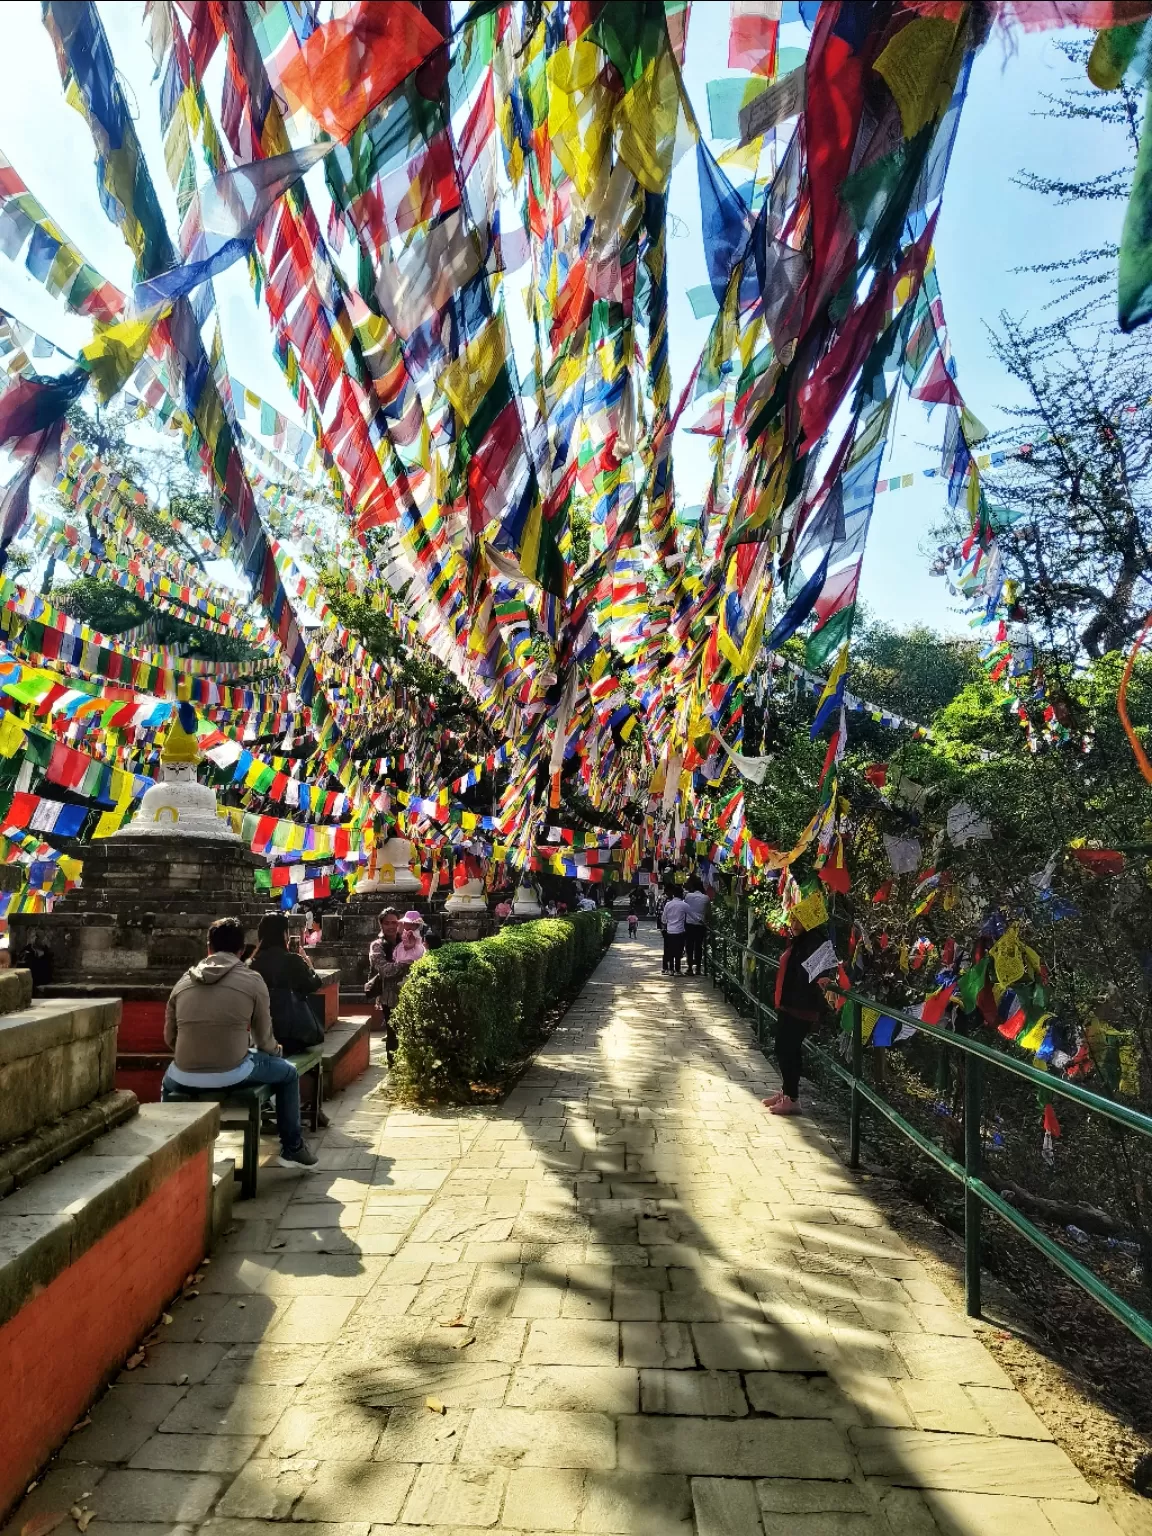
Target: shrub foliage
(468, 1011)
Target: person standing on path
(674, 920)
(798, 1006)
(696, 925)
(386, 974)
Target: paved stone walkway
(626, 1301)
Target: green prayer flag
(829, 638)
(703, 301)
(27, 690)
(972, 983)
(1134, 279)
(726, 97)
(1112, 52)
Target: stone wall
(143, 912)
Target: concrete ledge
(50, 1223)
(33, 1251)
(346, 1053)
(223, 1195)
(54, 1057)
(50, 1144)
(46, 1023)
(15, 989)
(165, 1134)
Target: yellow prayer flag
(115, 350)
(920, 65)
(472, 375)
(12, 736)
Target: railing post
(857, 1072)
(973, 1108)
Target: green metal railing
(747, 979)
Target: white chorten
(527, 903)
(391, 871)
(178, 805)
(468, 897)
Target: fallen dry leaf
(182, 1381)
(434, 1405)
(459, 1321)
(134, 1360)
(86, 1519)
(41, 1524)
(82, 1423)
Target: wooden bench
(251, 1102)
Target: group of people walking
(392, 953)
(683, 921)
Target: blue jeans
(282, 1076)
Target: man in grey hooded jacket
(211, 1012)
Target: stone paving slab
(625, 1301)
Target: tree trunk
(1087, 1217)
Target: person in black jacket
(291, 981)
(799, 1003)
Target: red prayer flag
(752, 39)
(839, 593)
(19, 813)
(937, 386)
(352, 62)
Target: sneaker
(773, 1101)
(785, 1106)
(299, 1157)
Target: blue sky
(988, 227)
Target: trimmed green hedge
(467, 1011)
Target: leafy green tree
(104, 606)
(914, 672)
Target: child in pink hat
(411, 946)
